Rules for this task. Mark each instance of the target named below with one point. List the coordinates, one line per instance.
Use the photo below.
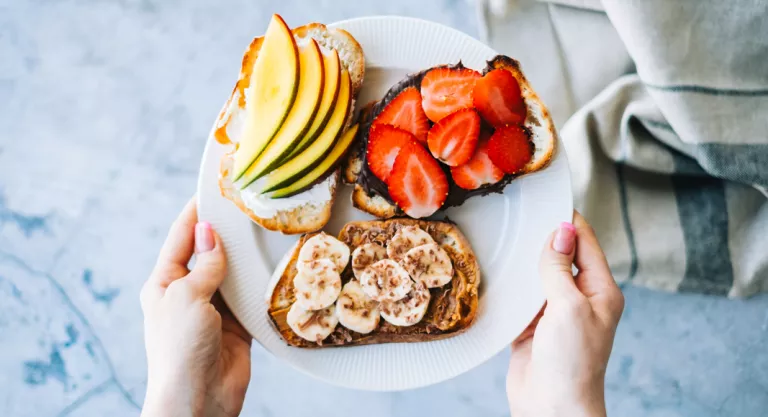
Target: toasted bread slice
(539, 122)
(309, 215)
(452, 307)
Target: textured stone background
(104, 109)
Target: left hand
(198, 355)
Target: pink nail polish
(203, 237)
(565, 238)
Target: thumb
(555, 266)
(210, 261)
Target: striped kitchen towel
(670, 159)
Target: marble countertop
(104, 109)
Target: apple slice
(304, 162)
(274, 83)
(299, 119)
(328, 164)
(332, 67)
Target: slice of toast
(452, 307)
(538, 121)
(311, 214)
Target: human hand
(198, 355)
(558, 363)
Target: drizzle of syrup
(221, 132)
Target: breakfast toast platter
(383, 187)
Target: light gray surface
(104, 108)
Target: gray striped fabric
(666, 103)
(670, 163)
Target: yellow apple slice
(329, 163)
(317, 150)
(274, 82)
(332, 67)
(299, 119)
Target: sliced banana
(365, 255)
(408, 311)
(323, 246)
(429, 264)
(385, 280)
(317, 285)
(405, 239)
(355, 310)
(311, 325)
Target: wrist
(589, 401)
(172, 399)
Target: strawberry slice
(405, 112)
(384, 143)
(417, 184)
(510, 148)
(479, 170)
(446, 90)
(498, 99)
(453, 139)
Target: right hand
(558, 363)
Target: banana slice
(429, 264)
(408, 311)
(365, 255)
(405, 239)
(385, 280)
(323, 246)
(355, 310)
(317, 284)
(311, 325)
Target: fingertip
(578, 218)
(189, 212)
(556, 270)
(211, 264)
(582, 226)
(204, 237)
(564, 240)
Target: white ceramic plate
(507, 232)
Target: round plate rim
(564, 215)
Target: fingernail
(203, 237)
(565, 238)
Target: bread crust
(328, 38)
(452, 308)
(310, 217)
(374, 204)
(303, 219)
(544, 145)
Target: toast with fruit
(388, 281)
(446, 134)
(289, 119)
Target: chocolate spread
(373, 185)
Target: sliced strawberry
(510, 148)
(479, 170)
(417, 184)
(384, 143)
(405, 112)
(446, 90)
(453, 139)
(498, 99)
